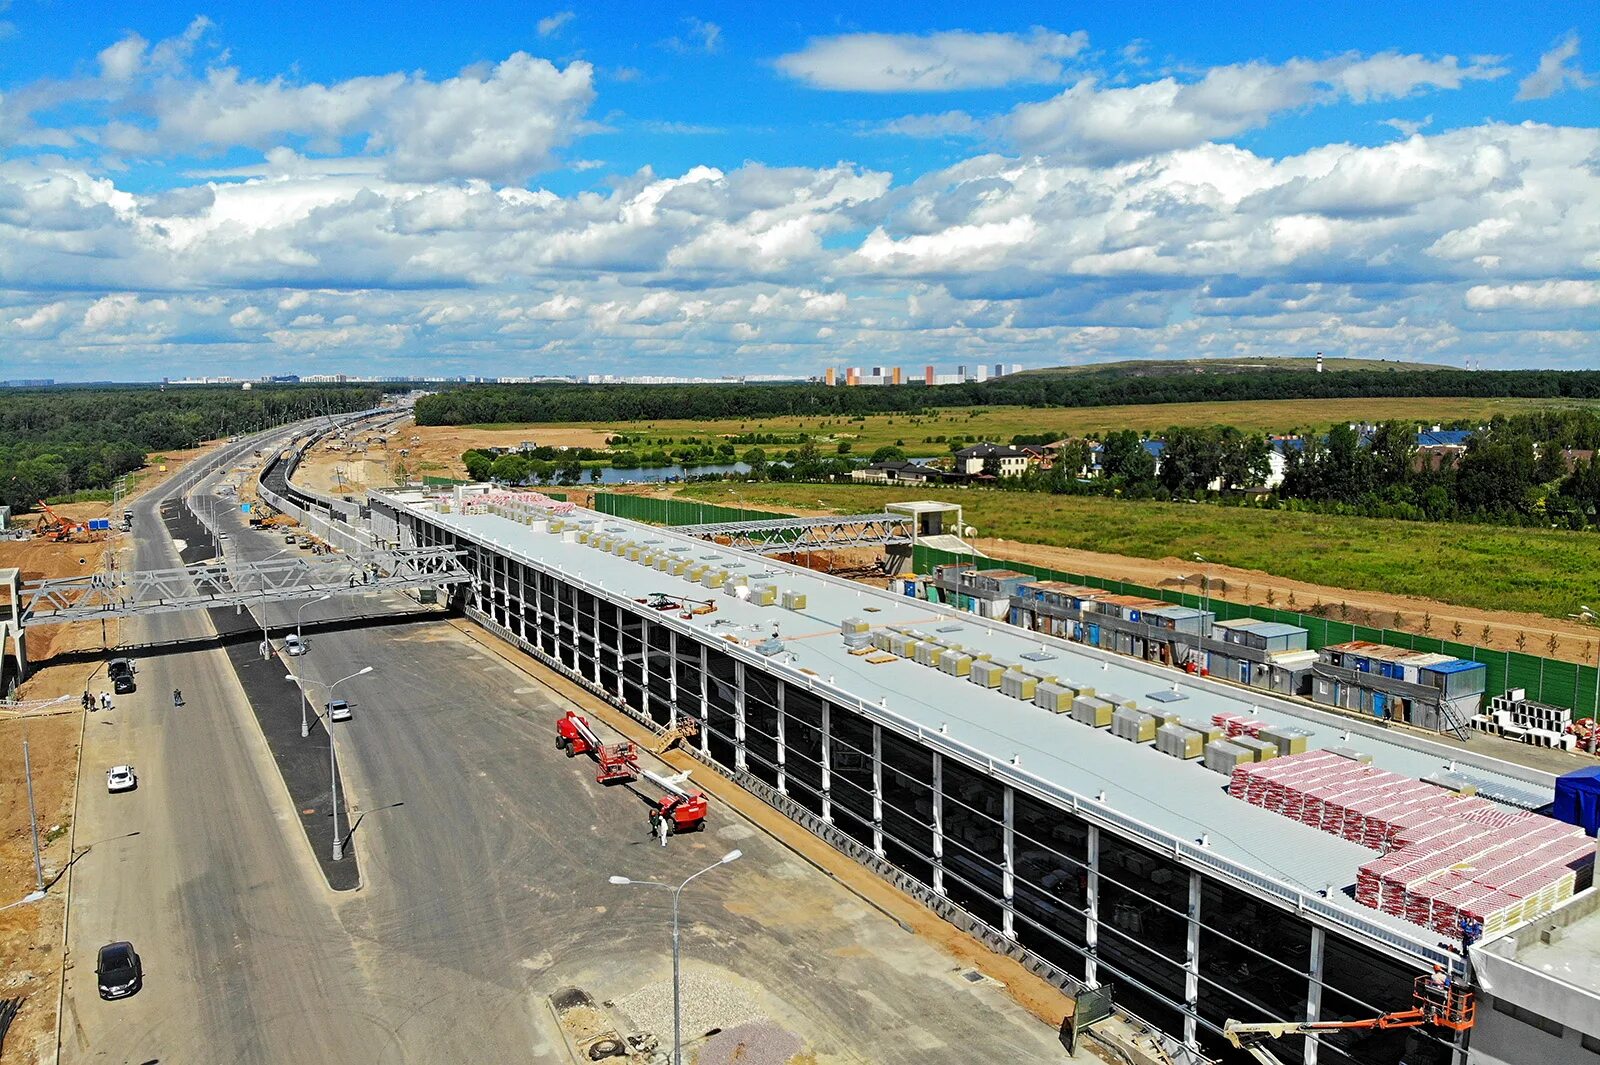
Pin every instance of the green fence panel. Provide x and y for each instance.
(655, 511)
(1525, 671)
(1588, 682)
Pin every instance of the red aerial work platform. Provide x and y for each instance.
(683, 808)
(617, 761)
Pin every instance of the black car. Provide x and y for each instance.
(120, 670)
(119, 971)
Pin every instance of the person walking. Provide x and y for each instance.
(105, 700)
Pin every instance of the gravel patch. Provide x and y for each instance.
(756, 1043)
(707, 1003)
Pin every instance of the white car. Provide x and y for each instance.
(121, 778)
(293, 645)
(339, 710)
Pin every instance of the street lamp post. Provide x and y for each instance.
(333, 765)
(299, 616)
(1205, 583)
(677, 981)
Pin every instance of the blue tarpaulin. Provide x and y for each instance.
(1578, 798)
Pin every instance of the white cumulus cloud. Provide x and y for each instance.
(495, 121)
(1097, 122)
(932, 62)
(551, 25)
(1557, 70)
(1539, 296)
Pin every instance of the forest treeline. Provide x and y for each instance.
(611, 404)
(1535, 469)
(62, 440)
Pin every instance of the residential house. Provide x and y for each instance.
(1007, 461)
(898, 471)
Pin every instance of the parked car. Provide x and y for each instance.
(339, 710)
(120, 670)
(293, 645)
(119, 970)
(121, 778)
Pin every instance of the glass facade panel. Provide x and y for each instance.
(1144, 902)
(1359, 983)
(850, 750)
(761, 724)
(1051, 854)
(691, 700)
(802, 737)
(974, 840)
(907, 777)
(1254, 960)
(721, 689)
(633, 659)
(658, 684)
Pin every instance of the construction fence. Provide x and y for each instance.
(1546, 680)
(674, 511)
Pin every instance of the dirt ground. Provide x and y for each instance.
(439, 452)
(30, 935)
(351, 468)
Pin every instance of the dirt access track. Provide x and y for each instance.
(30, 934)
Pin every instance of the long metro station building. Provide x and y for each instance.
(1094, 858)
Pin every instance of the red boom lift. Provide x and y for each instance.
(1437, 1003)
(683, 808)
(617, 761)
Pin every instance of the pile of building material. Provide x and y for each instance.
(1451, 861)
(1518, 717)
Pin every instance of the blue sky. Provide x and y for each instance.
(649, 188)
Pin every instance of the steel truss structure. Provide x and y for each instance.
(782, 536)
(223, 584)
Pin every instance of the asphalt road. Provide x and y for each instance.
(484, 859)
(279, 707)
(205, 870)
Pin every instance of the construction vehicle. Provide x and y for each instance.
(687, 728)
(683, 809)
(56, 529)
(617, 762)
(1438, 1004)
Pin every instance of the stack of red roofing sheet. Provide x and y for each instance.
(1449, 859)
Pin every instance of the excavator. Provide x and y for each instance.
(55, 528)
(1438, 1003)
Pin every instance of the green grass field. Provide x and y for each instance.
(1002, 423)
(1539, 571)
